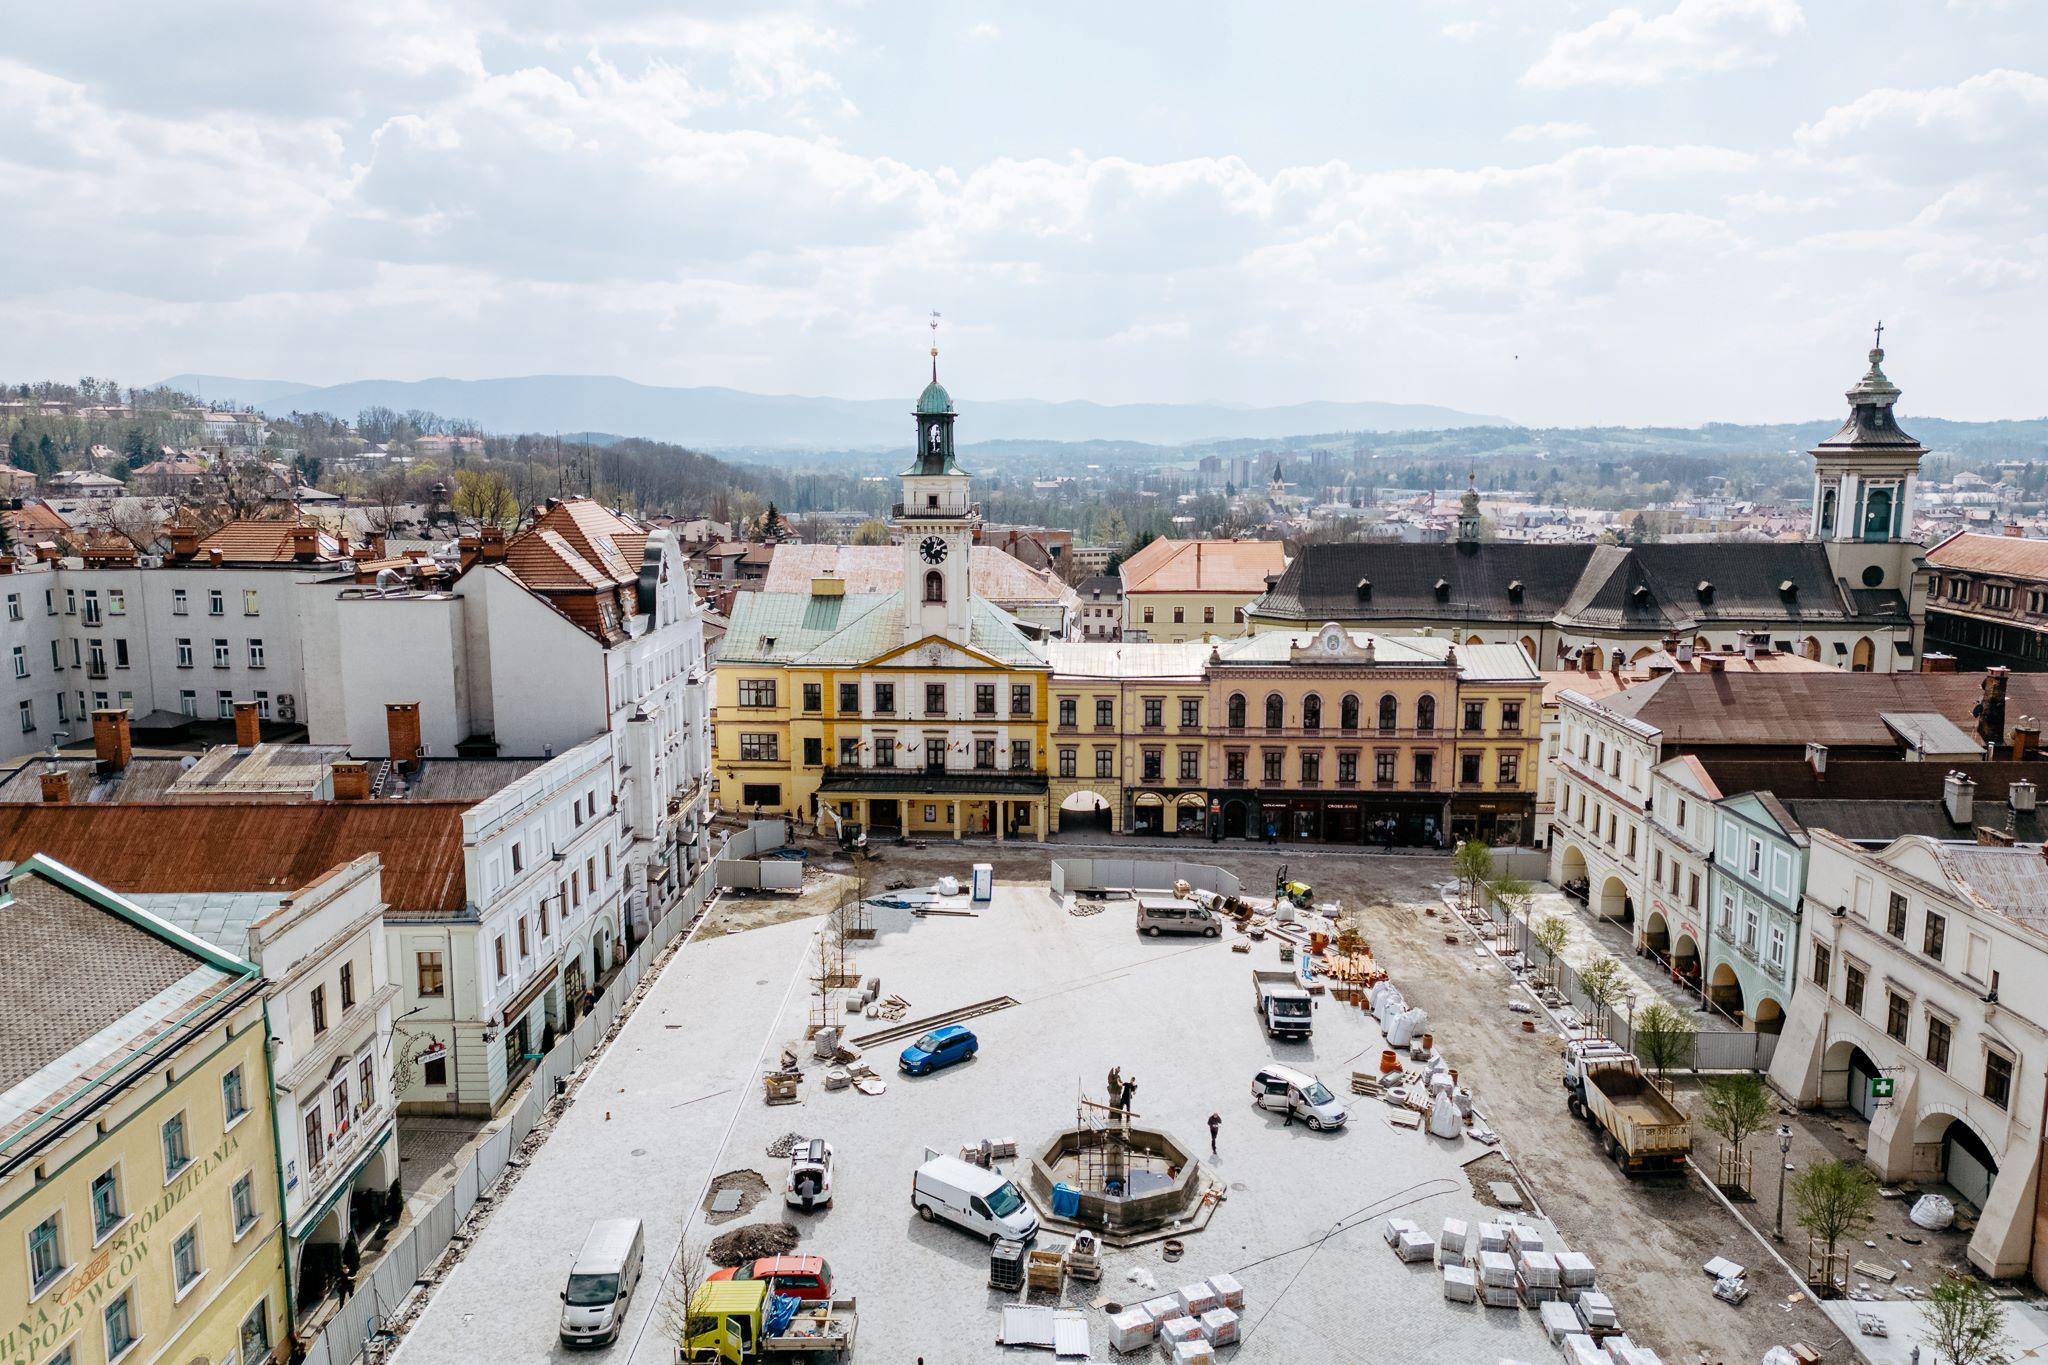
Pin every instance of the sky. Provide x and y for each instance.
(1565, 211)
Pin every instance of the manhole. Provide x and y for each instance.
(726, 1201)
(762, 981)
(1238, 1186)
(639, 1151)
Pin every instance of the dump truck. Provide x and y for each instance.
(1641, 1129)
(734, 1322)
(1281, 1002)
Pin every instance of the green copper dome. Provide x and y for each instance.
(934, 400)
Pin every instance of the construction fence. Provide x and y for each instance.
(1707, 1050)
(356, 1330)
(1138, 874)
(740, 866)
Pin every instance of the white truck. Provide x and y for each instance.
(1282, 1004)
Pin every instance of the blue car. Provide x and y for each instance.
(941, 1047)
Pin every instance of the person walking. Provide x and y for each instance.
(1215, 1127)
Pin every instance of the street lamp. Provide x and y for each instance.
(1784, 1151)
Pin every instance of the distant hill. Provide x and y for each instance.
(715, 418)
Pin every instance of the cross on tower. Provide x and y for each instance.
(935, 345)
(1880, 332)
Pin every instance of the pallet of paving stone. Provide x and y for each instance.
(1456, 1233)
(1416, 1245)
(1583, 1350)
(1574, 1269)
(1622, 1351)
(1461, 1285)
(1392, 1229)
(1496, 1270)
(1596, 1311)
(1523, 1238)
(1559, 1321)
(1538, 1269)
(1537, 1294)
(1495, 1296)
(1492, 1237)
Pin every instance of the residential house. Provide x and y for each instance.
(1102, 607)
(1987, 601)
(1192, 589)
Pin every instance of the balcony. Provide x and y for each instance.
(897, 512)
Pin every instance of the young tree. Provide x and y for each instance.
(1833, 1200)
(1604, 986)
(680, 1289)
(1737, 1108)
(484, 499)
(1663, 1036)
(1965, 1323)
(871, 532)
(1473, 862)
(1551, 934)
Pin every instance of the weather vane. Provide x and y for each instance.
(935, 345)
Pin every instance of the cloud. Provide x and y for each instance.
(1464, 30)
(1629, 48)
(1550, 132)
(1994, 122)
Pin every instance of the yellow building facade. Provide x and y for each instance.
(138, 1156)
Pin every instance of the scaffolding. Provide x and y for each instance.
(1102, 1156)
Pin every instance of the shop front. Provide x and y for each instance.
(1501, 819)
(1406, 820)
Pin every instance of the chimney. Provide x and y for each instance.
(377, 543)
(184, 541)
(248, 729)
(1751, 643)
(492, 542)
(56, 787)
(1959, 794)
(825, 585)
(2026, 739)
(402, 726)
(341, 544)
(2022, 796)
(305, 543)
(2014, 529)
(351, 780)
(1817, 758)
(111, 742)
(1684, 651)
(1935, 662)
(1710, 663)
(214, 557)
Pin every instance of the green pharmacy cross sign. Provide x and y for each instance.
(1881, 1087)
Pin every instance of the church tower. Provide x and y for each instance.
(935, 525)
(1865, 474)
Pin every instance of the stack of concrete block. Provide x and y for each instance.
(1219, 1327)
(1521, 1237)
(1460, 1284)
(1497, 1280)
(1193, 1351)
(1536, 1275)
(1559, 1320)
(1179, 1328)
(1393, 1228)
(1416, 1245)
(1457, 1232)
(1196, 1299)
(1132, 1330)
(1160, 1309)
(1596, 1310)
(1583, 1350)
(1574, 1272)
(1622, 1351)
(1492, 1237)
(1228, 1292)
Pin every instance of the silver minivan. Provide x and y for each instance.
(1158, 916)
(601, 1283)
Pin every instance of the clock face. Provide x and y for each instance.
(933, 549)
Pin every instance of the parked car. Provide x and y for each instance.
(796, 1277)
(976, 1200)
(809, 1182)
(1284, 1090)
(942, 1047)
(601, 1282)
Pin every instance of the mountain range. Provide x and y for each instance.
(718, 418)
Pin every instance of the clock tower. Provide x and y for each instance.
(935, 524)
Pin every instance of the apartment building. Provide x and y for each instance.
(1188, 589)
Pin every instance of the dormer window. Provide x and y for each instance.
(1515, 590)
(1365, 590)
(1443, 590)
(1640, 593)
(1788, 590)
(1705, 590)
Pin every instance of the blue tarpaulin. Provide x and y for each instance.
(781, 1312)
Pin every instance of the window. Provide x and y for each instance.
(814, 697)
(224, 705)
(216, 603)
(849, 697)
(757, 692)
(1895, 1014)
(1425, 714)
(1272, 759)
(120, 653)
(1510, 769)
(1511, 719)
(316, 1137)
(20, 661)
(1233, 766)
(1190, 765)
(1067, 711)
(256, 1334)
(1939, 1034)
(318, 1004)
(427, 971)
(1068, 762)
(1235, 711)
(120, 1326)
(1823, 964)
(525, 943)
(984, 699)
(1895, 917)
(1776, 956)
(179, 606)
(1208, 616)
(1020, 755)
(1933, 934)
(984, 753)
(885, 699)
(177, 1152)
(28, 715)
(1997, 597)
(885, 751)
(1105, 762)
(14, 606)
(338, 1096)
(1151, 765)
(434, 1070)
(849, 751)
(348, 986)
(1020, 699)
(1347, 713)
(366, 1082)
(763, 746)
(234, 1096)
(814, 751)
(106, 1204)
(1383, 765)
(1852, 986)
(1155, 713)
(1390, 713)
(935, 699)
(935, 587)
(221, 654)
(45, 1257)
(518, 859)
(1998, 1079)
(1180, 616)
(242, 1203)
(1475, 716)
(251, 604)
(1312, 712)
(1468, 770)
(185, 652)
(1276, 712)
(92, 606)
(1105, 713)
(57, 662)
(188, 702)
(185, 1258)
(96, 658)
(1425, 770)
(1347, 769)
(71, 601)
(1311, 768)
(1148, 616)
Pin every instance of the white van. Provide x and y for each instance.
(1169, 916)
(601, 1283)
(982, 1202)
(1284, 1090)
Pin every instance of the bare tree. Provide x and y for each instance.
(1965, 1323)
(679, 1291)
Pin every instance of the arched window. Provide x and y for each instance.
(1809, 648)
(1390, 712)
(1237, 710)
(1276, 715)
(1827, 512)
(1347, 712)
(1596, 660)
(1863, 656)
(934, 586)
(1425, 714)
(1312, 712)
(1529, 647)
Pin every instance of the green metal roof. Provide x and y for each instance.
(797, 629)
(934, 400)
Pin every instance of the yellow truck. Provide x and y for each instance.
(731, 1323)
(1640, 1128)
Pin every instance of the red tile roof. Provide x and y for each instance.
(261, 542)
(1204, 566)
(250, 846)
(2004, 556)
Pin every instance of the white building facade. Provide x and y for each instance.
(1600, 820)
